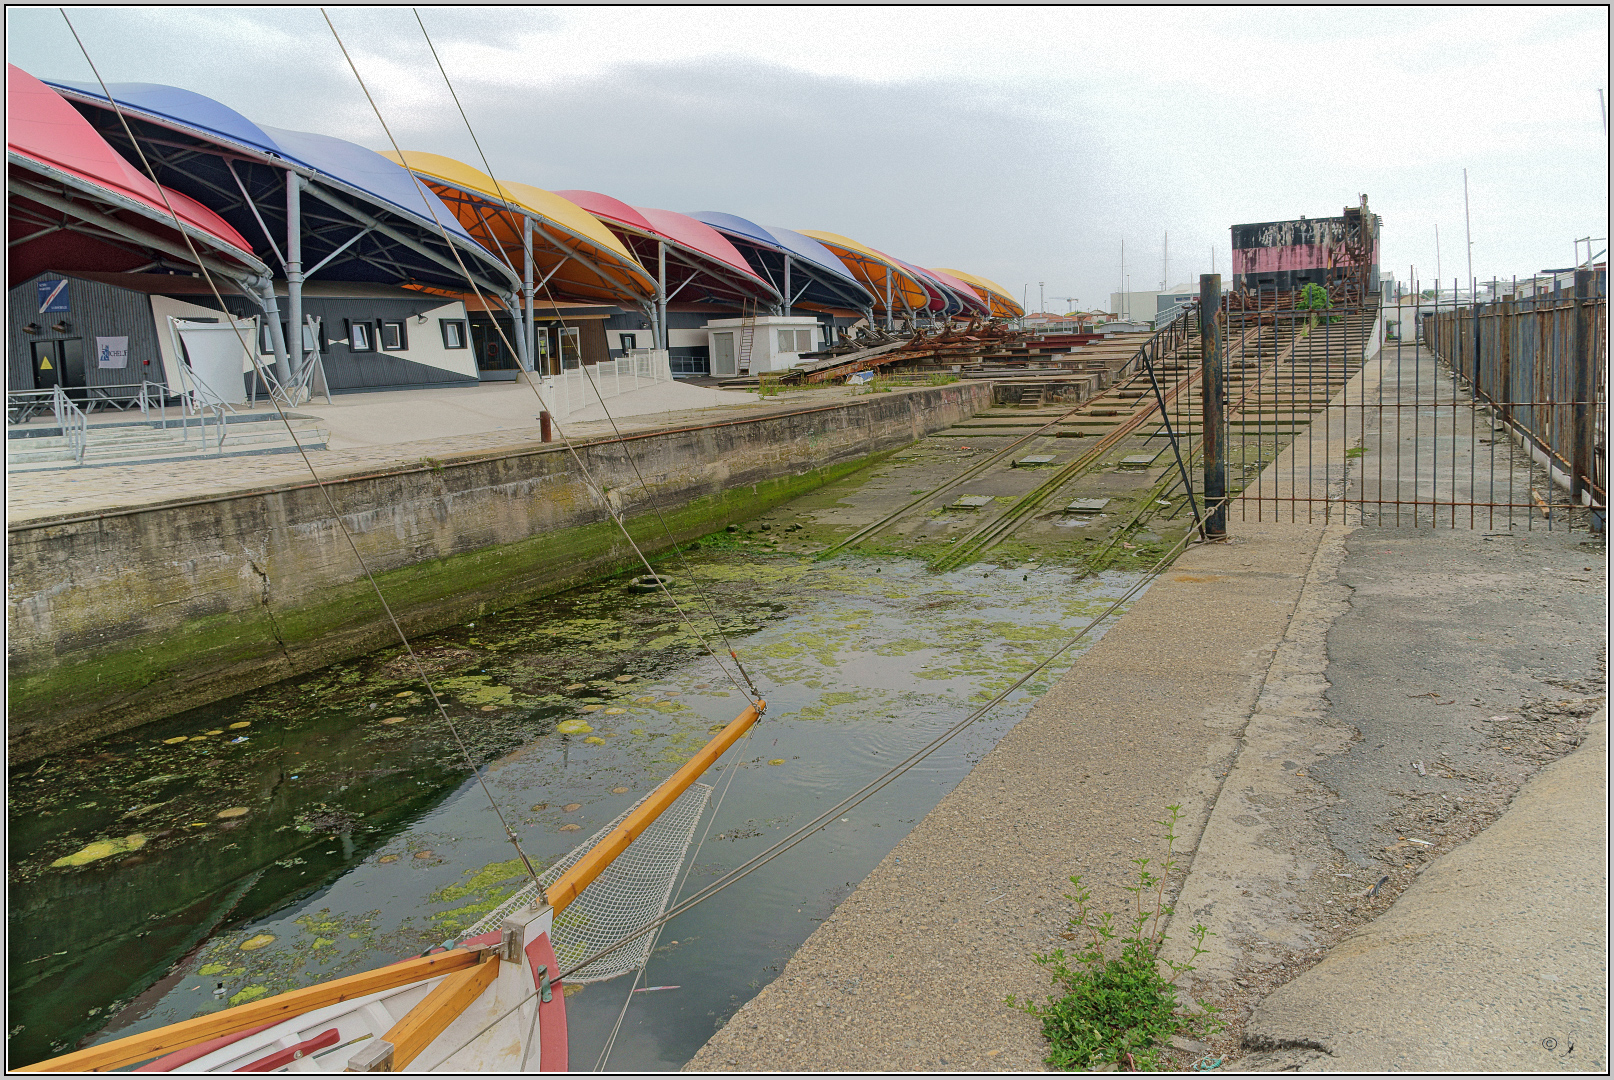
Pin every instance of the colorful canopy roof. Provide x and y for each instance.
(969, 293)
(573, 252)
(818, 278)
(713, 270)
(1003, 304)
(943, 300)
(120, 217)
(344, 176)
(876, 271)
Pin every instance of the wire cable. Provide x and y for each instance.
(764, 857)
(610, 1042)
(749, 689)
(325, 491)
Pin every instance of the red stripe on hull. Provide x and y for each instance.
(553, 1055)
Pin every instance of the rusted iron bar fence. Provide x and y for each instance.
(1540, 362)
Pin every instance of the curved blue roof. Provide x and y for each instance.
(350, 164)
(808, 248)
(180, 106)
(802, 247)
(365, 170)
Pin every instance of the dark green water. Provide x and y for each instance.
(346, 841)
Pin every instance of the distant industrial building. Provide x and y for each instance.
(1290, 254)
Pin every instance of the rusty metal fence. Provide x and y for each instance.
(1489, 416)
(1539, 363)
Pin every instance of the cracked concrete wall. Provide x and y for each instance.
(123, 617)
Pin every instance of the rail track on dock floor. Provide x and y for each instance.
(1278, 379)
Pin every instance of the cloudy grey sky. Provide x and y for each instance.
(1023, 144)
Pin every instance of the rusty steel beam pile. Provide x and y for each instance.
(987, 345)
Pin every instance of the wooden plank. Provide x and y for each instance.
(436, 1011)
(165, 1040)
(586, 869)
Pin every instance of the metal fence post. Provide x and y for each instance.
(1212, 390)
(1583, 407)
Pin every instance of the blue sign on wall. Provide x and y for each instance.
(52, 295)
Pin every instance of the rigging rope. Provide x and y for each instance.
(302, 452)
(589, 480)
(761, 859)
(764, 857)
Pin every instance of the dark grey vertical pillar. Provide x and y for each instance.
(297, 356)
(1213, 400)
(1581, 374)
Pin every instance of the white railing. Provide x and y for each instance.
(74, 425)
(573, 391)
(1173, 313)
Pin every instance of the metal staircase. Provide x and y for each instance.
(748, 333)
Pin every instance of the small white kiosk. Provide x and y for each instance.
(776, 343)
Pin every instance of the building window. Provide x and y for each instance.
(453, 333)
(393, 337)
(795, 341)
(358, 337)
(630, 341)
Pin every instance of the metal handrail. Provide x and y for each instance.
(74, 425)
(1172, 314)
(162, 401)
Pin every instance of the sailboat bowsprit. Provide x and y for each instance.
(492, 1002)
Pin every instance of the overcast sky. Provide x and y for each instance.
(1023, 144)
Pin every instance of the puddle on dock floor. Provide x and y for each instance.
(325, 825)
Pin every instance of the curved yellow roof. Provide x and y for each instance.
(598, 265)
(872, 268)
(1003, 303)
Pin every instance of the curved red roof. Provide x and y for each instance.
(681, 229)
(697, 236)
(604, 206)
(42, 127)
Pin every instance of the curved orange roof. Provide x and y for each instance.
(876, 270)
(580, 258)
(1004, 305)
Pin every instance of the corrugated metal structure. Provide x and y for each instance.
(1285, 255)
(1542, 362)
(58, 348)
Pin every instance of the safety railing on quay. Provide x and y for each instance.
(575, 389)
(1173, 313)
(71, 421)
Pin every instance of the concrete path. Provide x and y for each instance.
(1494, 961)
(1428, 673)
(911, 971)
(370, 430)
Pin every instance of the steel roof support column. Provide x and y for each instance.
(787, 283)
(524, 332)
(298, 356)
(271, 315)
(661, 294)
(888, 323)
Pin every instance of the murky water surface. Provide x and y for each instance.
(328, 824)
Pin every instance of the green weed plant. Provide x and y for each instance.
(1116, 1006)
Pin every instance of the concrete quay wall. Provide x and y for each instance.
(126, 616)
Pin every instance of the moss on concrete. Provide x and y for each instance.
(213, 656)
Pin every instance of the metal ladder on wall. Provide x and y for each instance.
(748, 333)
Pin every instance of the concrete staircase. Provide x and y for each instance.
(140, 442)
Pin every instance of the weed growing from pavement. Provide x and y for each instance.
(1119, 1009)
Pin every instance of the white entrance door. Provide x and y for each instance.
(723, 355)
